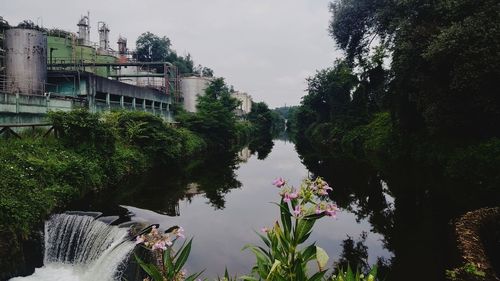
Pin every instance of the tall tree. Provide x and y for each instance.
(444, 64)
(151, 47)
(215, 119)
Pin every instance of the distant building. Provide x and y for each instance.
(246, 103)
(191, 88)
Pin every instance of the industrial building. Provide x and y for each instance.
(245, 103)
(43, 70)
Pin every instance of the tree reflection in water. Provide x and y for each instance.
(414, 225)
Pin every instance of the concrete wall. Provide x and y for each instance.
(32, 104)
(191, 87)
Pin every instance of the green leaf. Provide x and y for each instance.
(183, 256)
(373, 273)
(321, 257)
(280, 278)
(318, 276)
(276, 264)
(309, 252)
(263, 238)
(350, 274)
(299, 271)
(258, 252)
(193, 276)
(248, 278)
(314, 216)
(168, 263)
(302, 230)
(286, 218)
(150, 269)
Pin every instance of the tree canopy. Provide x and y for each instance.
(214, 119)
(151, 47)
(445, 59)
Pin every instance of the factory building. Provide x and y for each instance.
(44, 70)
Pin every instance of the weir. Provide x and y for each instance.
(79, 247)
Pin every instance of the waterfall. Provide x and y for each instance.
(81, 248)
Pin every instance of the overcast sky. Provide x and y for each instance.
(264, 47)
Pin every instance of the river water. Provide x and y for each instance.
(220, 233)
(221, 201)
(397, 217)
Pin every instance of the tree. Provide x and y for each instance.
(204, 71)
(260, 116)
(215, 119)
(444, 63)
(150, 47)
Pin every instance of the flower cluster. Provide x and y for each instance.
(157, 241)
(308, 199)
(328, 209)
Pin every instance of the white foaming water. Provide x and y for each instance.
(80, 248)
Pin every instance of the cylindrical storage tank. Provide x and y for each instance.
(26, 60)
(103, 70)
(191, 88)
(59, 49)
(85, 54)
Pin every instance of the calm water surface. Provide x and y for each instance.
(221, 232)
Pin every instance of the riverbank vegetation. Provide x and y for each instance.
(409, 107)
(407, 89)
(92, 151)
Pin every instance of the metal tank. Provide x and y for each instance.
(191, 88)
(26, 60)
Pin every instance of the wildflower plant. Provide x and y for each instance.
(283, 257)
(169, 262)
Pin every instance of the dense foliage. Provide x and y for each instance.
(412, 103)
(416, 81)
(151, 47)
(445, 57)
(214, 119)
(89, 152)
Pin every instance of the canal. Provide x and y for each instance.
(221, 230)
(222, 201)
(397, 217)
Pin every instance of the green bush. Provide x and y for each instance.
(82, 130)
(38, 175)
(90, 152)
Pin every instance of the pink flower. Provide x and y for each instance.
(179, 232)
(264, 229)
(331, 210)
(279, 182)
(297, 211)
(154, 230)
(286, 197)
(289, 196)
(318, 210)
(168, 243)
(322, 192)
(139, 239)
(159, 245)
(294, 194)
